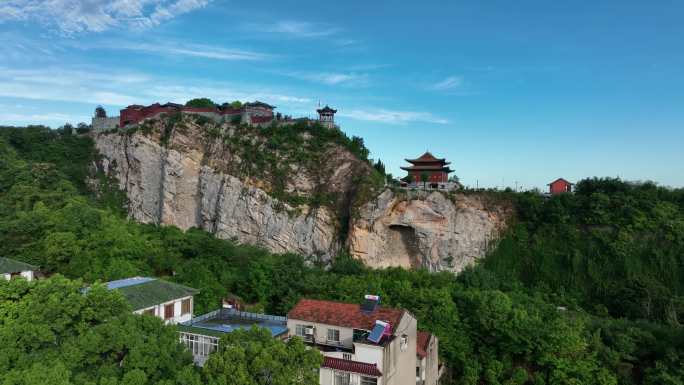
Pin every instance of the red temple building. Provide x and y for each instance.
(249, 113)
(559, 186)
(436, 170)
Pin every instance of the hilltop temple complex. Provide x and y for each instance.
(253, 113)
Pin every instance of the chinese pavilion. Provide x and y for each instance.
(436, 170)
(326, 116)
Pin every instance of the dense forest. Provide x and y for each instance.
(585, 288)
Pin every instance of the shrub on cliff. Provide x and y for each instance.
(200, 103)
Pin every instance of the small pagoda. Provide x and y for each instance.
(326, 116)
(435, 169)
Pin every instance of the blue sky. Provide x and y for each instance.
(509, 92)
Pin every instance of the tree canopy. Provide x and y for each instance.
(200, 103)
(584, 288)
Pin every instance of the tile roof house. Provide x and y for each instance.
(169, 301)
(364, 344)
(10, 268)
(427, 360)
(343, 314)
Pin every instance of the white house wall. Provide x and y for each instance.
(28, 275)
(371, 354)
(177, 306)
(321, 332)
(404, 371)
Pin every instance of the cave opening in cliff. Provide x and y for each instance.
(404, 245)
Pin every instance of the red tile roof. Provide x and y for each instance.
(343, 314)
(427, 157)
(422, 343)
(351, 366)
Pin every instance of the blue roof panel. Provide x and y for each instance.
(229, 320)
(376, 334)
(128, 282)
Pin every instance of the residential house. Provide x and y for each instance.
(364, 344)
(559, 186)
(10, 268)
(169, 301)
(428, 370)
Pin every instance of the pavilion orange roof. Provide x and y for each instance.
(428, 158)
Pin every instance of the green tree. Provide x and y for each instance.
(86, 337)
(424, 178)
(251, 357)
(200, 103)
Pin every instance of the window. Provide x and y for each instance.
(333, 335)
(149, 312)
(300, 330)
(369, 380)
(347, 356)
(185, 306)
(360, 335)
(199, 345)
(342, 378)
(404, 342)
(168, 311)
(417, 371)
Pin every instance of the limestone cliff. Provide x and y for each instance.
(423, 229)
(197, 174)
(290, 189)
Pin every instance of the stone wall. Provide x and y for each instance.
(105, 124)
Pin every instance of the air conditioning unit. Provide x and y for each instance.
(309, 331)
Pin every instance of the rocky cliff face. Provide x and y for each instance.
(289, 193)
(190, 182)
(423, 229)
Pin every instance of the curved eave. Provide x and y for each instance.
(440, 160)
(445, 169)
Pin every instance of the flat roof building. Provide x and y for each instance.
(201, 334)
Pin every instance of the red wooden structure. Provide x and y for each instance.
(559, 186)
(436, 170)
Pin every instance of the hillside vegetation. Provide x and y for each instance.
(539, 310)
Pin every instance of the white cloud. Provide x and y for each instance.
(392, 116)
(102, 86)
(299, 29)
(182, 93)
(332, 78)
(448, 84)
(73, 16)
(69, 85)
(195, 50)
(49, 117)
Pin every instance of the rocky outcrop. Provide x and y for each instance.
(187, 183)
(423, 229)
(235, 182)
